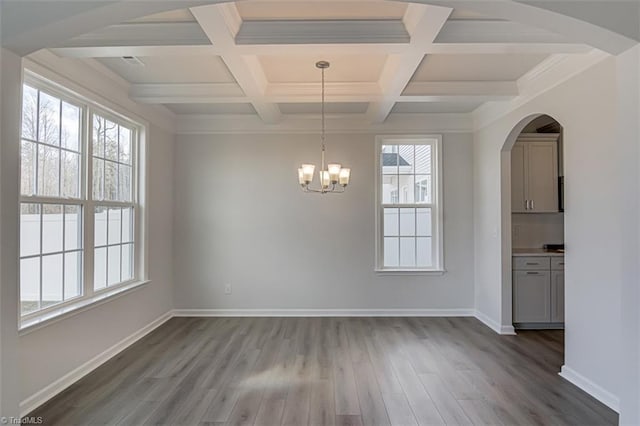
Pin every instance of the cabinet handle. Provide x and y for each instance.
(526, 204)
(561, 263)
(531, 264)
(533, 206)
(532, 273)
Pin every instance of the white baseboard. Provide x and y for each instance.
(599, 393)
(323, 312)
(494, 325)
(42, 396)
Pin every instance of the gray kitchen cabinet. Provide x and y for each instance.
(534, 173)
(532, 295)
(538, 291)
(557, 296)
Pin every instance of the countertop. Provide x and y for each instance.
(536, 252)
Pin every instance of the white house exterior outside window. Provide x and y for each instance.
(409, 204)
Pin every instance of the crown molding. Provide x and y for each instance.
(549, 74)
(310, 124)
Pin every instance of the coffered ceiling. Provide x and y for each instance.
(258, 58)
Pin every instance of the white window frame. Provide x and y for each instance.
(90, 296)
(436, 205)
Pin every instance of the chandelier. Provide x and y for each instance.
(335, 178)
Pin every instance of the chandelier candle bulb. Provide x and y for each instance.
(345, 174)
(324, 178)
(307, 172)
(334, 172)
(301, 176)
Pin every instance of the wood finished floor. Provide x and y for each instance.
(334, 371)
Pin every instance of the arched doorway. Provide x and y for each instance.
(527, 229)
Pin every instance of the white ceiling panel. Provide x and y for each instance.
(179, 15)
(239, 108)
(172, 69)
(434, 107)
(329, 108)
(476, 67)
(268, 10)
(302, 68)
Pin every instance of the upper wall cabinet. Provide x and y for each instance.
(534, 173)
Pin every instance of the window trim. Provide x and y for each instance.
(437, 204)
(89, 105)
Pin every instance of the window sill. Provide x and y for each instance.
(34, 323)
(427, 272)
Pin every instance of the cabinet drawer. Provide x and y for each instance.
(536, 263)
(557, 263)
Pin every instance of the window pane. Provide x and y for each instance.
(127, 262)
(405, 159)
(100, 226)
(424, 256)
(28, 168)
(29, 285)
(70, 126)
(51, 280)
(423, 159)
(389, 159)
(391, 252)
(100, 268)
(124, 183)
(98, 179)
(111, 141)
(98, 136)
(110, 181)
(29, 112)
(72, 227)
(49, 119)
(70, 174)
(48, 171)
(423, 189)
(113, 274)
(423, 219)
(406, 190)
(125, 145)
(391, 223)
(390, 189)
(127, 225)
(115, 226)
(29, 229)
(407, 252)
(408, 222)
(51, 228)
(72, 275)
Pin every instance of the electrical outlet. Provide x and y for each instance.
(227, 288)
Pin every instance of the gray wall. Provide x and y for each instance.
(241, 218)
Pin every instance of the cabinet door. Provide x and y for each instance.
(557, 296)
(517, 178)
(531, 296)
(541, 185)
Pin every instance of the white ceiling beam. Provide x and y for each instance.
(423, 24)
(143, 34)
(187, 93)
(120, 51)
(332, 89)
(460, 88)
(492, 31)
(322, 31)
(220, 24)
(320, 49)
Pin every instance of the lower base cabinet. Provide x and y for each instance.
(538, 292)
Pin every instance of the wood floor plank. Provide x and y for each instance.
(447, 405)
(330, 371)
